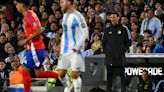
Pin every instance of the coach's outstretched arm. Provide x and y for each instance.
(83, 28)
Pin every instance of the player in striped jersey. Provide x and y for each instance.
(75, 32)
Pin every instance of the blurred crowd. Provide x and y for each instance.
(143, 18)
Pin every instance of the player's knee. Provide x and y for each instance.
(75, 75)
(62, 73)
(23, 69)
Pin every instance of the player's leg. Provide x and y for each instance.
(28, 64)
(77, 66)
(25, 70)
(45, 74)
(64, 79)
(38, 59)
(77, 82)
(63, 65)
(26, 77)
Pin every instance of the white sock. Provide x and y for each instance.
(65, 81)
(77, 83)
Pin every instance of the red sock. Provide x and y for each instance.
(26, 80)
(47, 74)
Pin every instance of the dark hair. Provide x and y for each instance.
(34, 5)
(55, 23)
(124, 16)
(149, 10)
(139, 45)
(126, 5)
(148, 47)
(147, 31)
(26, 2)
(71, 1)
(2, 60)
(115, 13)
(51, 14)
(59, 10)
(147, 5)
(98, 4)
(2, 34)
(145, 71)
(1, 12)
(54, 2)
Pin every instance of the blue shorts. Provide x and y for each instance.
(34, 58)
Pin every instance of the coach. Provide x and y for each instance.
(116, 42)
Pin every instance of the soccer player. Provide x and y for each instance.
(35, 55)
(75, 33)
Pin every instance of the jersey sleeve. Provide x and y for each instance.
(82, 25)
(33, 20)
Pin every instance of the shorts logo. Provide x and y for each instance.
(83, 25)
(34, 24)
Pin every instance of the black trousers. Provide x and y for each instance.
(112, 73)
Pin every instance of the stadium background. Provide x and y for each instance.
(96, 13)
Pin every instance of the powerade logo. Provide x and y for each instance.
(138, 71)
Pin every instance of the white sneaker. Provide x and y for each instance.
(68, 89)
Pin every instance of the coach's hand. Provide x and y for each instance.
(22, 42)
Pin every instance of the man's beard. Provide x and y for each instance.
(65, 10)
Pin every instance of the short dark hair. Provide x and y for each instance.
(1, 12)
(149, 10)
(139, 45)
(148, 31)
(2, 34)
(98, 4)
(114, 12)
(59, 10)
(72, 1)
(145, 71)
(33, 5)
(26, 2)
(2, 60)
(54, 2)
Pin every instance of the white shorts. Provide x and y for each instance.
(72, 60)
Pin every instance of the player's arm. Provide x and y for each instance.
(37, 32)
(84, 33)
(35, 27)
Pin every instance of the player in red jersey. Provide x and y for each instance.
(35, 55)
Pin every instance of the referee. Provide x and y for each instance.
(116, 42)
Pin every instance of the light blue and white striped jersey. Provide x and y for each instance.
(75, 32)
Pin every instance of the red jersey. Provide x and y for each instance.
(31, 23)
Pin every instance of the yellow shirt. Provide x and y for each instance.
(96, 45)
